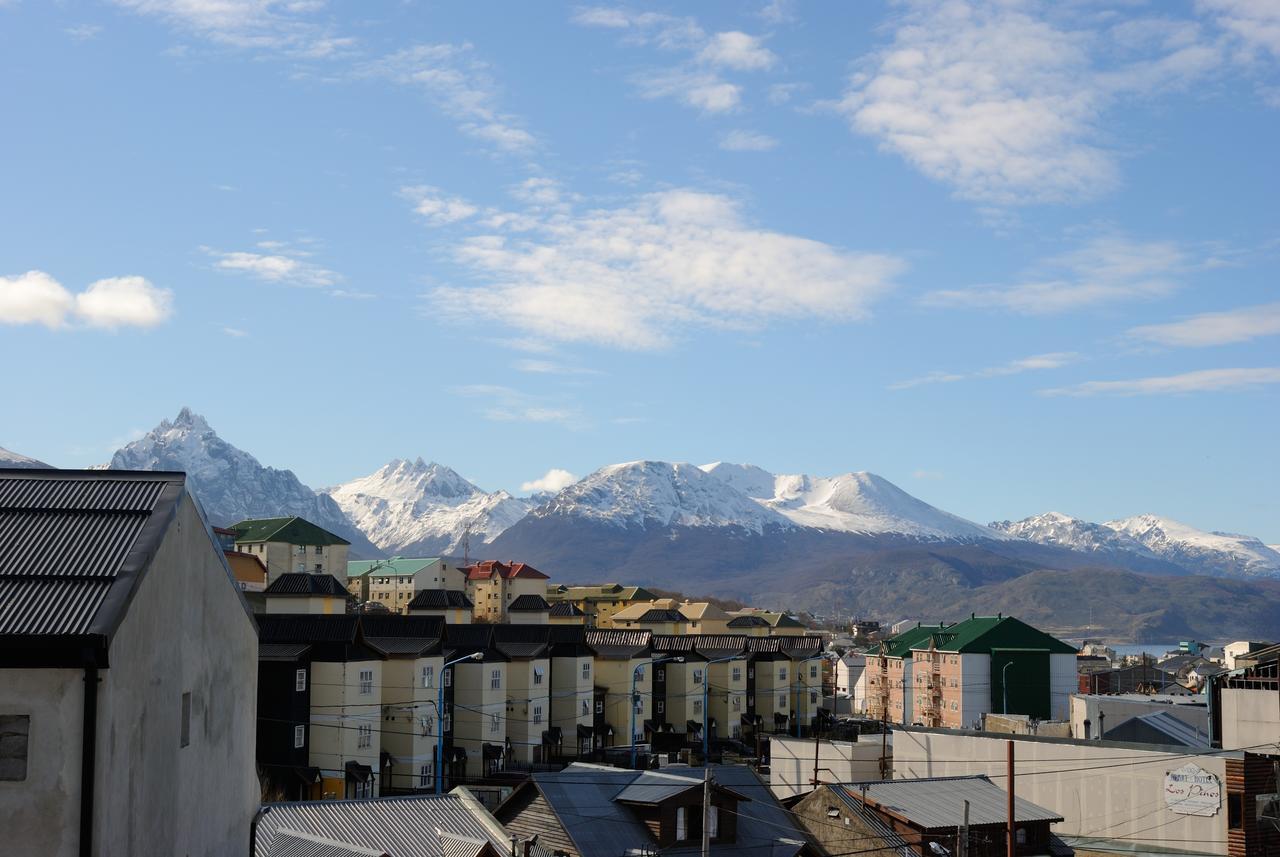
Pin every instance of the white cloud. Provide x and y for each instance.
(1036, 362)
(460, 85)
(554, 480)
(702, 90)
(1000, 103)
(84, 32)
(1105, 270)
(667, 32)
(438, 208)
(747, 141)
(548, 367)
(781, 93)
(276, 268)
(277, 25)
(1256, 23)
(778, 11)
(737, 50)
(509, 405)
(1202, 381)
(37, 298)
(1215, 328)
(633, 276)
(235, 332)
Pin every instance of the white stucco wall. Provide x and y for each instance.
(1249, 718)
(1063, 682)
(791, 762)
(975, 683)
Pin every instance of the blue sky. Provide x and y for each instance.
(1012, 256)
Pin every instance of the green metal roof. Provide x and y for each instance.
(982, 634)
(397, 566)
(294, 531)
(899, 646)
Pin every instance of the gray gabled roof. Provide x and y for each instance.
(293, 843)
(399, 826)
(936, 803)
(73, 546)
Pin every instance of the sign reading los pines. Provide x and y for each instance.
(1191, 790)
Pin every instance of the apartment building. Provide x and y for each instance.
(715, 667)
(779, 624)
(598, 603)
(618, 656)
(394, 582)
(528, 692)
(574, 672)
(784, 682)
(889, 675)
(292, 544)
(479, 712)
(451, 605)
(529, 609)
(493, 585)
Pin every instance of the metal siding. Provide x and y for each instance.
(52, 607)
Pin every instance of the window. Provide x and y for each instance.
(494, 723)
(697, 706)
(186, 720)
(299, 736)
(813, 671)
(713, 821)
(638, 703)
(782, 673)
(428, 676)
(319, 567)
(697, 676)
(319, 550)
(427, 723)
(682, 823)
(737, 673)
(300, 680)
(751, 672)
(366, 682)
(586, 671)
(1021, 835)
(737, 703)
(537, 675)
(447, 675)
(14, 730)
(599, 706)
(659, 707)
(364, 735)
(586, 708)
(495, 680)
(813, 697)
(782, 700)
(537, 714)
(1235, 810)
(446, 722)
(660, 675)
(302, 567)
(424, 776)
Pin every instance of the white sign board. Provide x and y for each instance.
(1191, 790)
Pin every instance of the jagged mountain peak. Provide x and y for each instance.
(8, 458)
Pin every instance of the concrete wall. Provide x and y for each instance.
(185, 632)
(975, 688)
(1249, 718)
(791, 762)
(1104, 790)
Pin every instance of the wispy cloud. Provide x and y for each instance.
(505, 404)
(286, 26)
(554, 480)
(702, 90)
(461, 85)
(84, 32)
(37, 298)
(275, 268)
(235, 332)
(1202, 381)
(1104, 270)
(1214, 328)
(737, 50)
(747, 141)
(1255, 23)
(634, 275)
(436, 207)
(550, 367)
(1034, 363)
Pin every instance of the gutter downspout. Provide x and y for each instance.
(88, 757)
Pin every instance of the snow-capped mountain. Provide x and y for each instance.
(231, 484)
(14, 459)
(641, 494)
(850, 503)
(1149, 536)
(415, 507)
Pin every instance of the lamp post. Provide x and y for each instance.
(474, 656)
(1004, 685)
(797, 706)
(635, 673)
(706, 712)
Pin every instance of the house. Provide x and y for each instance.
(619, 656)
(660, 616)
(529, 609)
(990, 665)
(784, 682)
(452, 605)
(750, 624)
(890, 675)
(292, 544)
(248, 569)
(394, 582)
(127, 670)
(595, 811)
(342, 730)
(923, 817)
(479, 714)
(574, 671)
(453, 824)
(566, 613)
(598, 603)
(493, 585)
(851, 679)
(780, 624)
(715, 667)
(303, 592)
(703, 617)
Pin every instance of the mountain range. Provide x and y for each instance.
(845, 544)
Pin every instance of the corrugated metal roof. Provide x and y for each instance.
(306, 628)
(399, 826)
(67, 538)
(292, 843)
(619, 644)
(305, 583)
(440, 599)
(415, 646)
(561, 609)
(394, 625)
(460, 846)
(529, 602)
(937, 803)
(652, 787)
(282, 651)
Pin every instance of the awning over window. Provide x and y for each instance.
(692, 726)
(584, 731)
(493, 751)
(385, 759)
(358, 773)
(554, 735)
(459, 754)
(309, 776)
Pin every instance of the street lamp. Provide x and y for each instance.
(706, 713)
(796, 710)
(1004, 685)
(474, 656)
(635, 673)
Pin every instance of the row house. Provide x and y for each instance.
(714, 672)
(574, 672)
(292, 544)
(598, 604)
(492, 586)
(394, 582)
(618, 657)
(784, 682)
(668, 616)
(479, 711)
(528, 698)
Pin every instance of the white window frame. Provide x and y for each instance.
(586, 708)
(429, 676)
(682, 824)
(299, 736)
(366, 682)
(782, 700)
(537, 675)
(300, 680)
(782, 673)
(448, 677)
(364, 735)
(494, 723)
(737, 673)
(495, 679)
(697, 706)
(586, 670)
(537, 714)
(697, 676)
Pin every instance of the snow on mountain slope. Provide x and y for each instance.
(1217, 553)
(1055, 528)
(14, 459)
(852, 503)
(640, 493)
(417, 507)
(231, 484)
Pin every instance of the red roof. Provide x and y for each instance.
(490, 567)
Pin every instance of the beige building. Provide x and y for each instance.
(779, 624)
(493, 585)
(716, 664)
(300, 592)
(292, 545)
(573, 673)
(598, 603)
(451, 605)
(618, 654)
(394, 582)
(785, 681)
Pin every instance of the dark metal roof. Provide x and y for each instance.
(440, 599)
(395, 625)
(619, 644)
(413, 646)
(561, 609)
(292, 843)
(659, 615)
(282, 651)
(307, 628)
(398, 826)
(306, 584)
(529, 602)
(936, 803)
(748, 621)
(522, 641)
(707, 645)
(73, 545)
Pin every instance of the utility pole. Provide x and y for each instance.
(962, 846)
(884, 740)
(706, 809)
(1012, 838)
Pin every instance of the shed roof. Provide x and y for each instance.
(936, 803)
(441, 599)
(305, 584)
(397, 566)
(290, 530)
(73, 546)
